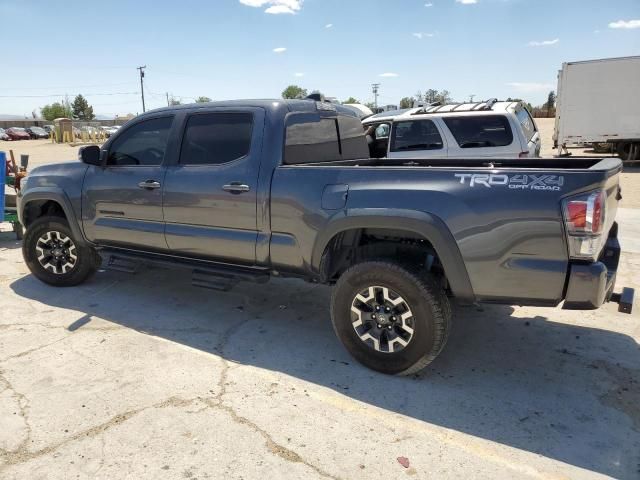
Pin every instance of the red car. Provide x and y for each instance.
(17, 133)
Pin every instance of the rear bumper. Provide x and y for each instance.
(591, 285)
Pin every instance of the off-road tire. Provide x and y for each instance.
(88, 260)
(427, 300)
(624, 151)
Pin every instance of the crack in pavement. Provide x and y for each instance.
(218, 402)
(23, 405)
(21, 454)
(31, 350)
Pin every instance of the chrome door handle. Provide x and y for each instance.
(236, 187)
(149, 184)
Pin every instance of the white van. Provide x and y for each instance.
(463, 130)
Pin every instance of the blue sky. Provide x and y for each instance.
(225, 48)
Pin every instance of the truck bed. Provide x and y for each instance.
(505, 216)
(608, 164)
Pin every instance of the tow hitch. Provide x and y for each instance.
(624, 299)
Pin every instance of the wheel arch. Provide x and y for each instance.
(37, 203)
(426, 226)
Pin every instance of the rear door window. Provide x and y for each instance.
(525, 120)
(480, 131)
(415, 135)
(216, 138)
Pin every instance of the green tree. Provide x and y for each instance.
(81, 109)
(432, 95)
(526, 104)
(203, 99)
(407, 102)
(550, 106)
(351, 100)
(55, 110)
(294, 91)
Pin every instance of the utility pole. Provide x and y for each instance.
(471, 97)
(168, 99)
(142, 85)
(374, 88)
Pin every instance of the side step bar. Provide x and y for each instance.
(204, 274)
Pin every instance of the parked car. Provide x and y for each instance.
(37, 132)
(285, 188)
(3, 135)
(17, 133)
(381, 123)
(109, 130)
(49, 128)
(462, 130)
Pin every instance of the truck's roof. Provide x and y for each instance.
(272, 104)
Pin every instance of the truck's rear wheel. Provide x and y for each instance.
(53, 254)
(390, 319)
(626, 151)
(602, 147)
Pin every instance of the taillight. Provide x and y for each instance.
(584, 217)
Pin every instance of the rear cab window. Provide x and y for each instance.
(415, 135)
(310, 138)
(482, 131)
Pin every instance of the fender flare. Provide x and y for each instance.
(54, 194)
(428, 226)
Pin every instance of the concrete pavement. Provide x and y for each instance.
(144, 376)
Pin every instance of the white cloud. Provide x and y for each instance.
(543, 43)
(328, 25)
(627, 24)
(298, 74)
(275, 7)
(422, 35)
(428, 4)
(389, 74)
(279, 50)
(467, 2)
(530, 87)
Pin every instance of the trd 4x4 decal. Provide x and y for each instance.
(517, 182)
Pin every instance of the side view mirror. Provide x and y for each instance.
(90, 155)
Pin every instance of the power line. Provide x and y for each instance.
(69, 87)
(63, 94)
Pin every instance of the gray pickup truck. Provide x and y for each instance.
(246, 190)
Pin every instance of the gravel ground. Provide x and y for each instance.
(144, 376)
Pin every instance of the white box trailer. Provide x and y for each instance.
(598, 101)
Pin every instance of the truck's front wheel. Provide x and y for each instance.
(54, 256)
(390, 319)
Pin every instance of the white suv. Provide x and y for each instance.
(463, 130)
